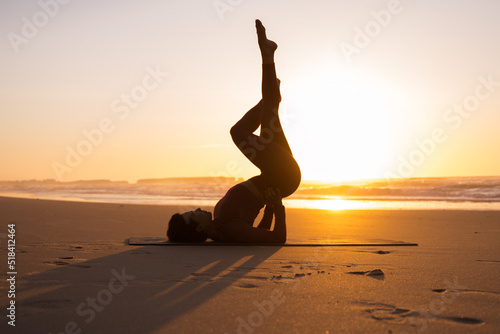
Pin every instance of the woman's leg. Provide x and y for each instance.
(247, 124)
(271, 97)
(270, 124)
(270, 151)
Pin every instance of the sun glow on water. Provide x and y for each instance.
(334, 204)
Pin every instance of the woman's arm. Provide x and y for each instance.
(267, 219)
(279, 224)
(240, 232)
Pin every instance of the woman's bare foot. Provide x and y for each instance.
(267, 47)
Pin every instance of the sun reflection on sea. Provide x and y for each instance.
(334, 203)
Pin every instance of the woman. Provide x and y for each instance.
(235, 213)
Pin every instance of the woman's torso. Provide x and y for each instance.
(241, 203)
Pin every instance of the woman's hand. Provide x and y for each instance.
(272, 196)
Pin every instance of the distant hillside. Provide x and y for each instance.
(55, 182)
(168, 180)
(177, 180)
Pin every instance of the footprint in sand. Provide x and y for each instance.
(389, 314)
(465, 290)
(392, 314)
(386, 312)
(258, 277)
(57, 263)
(463, 320)
(247, 286)
(64, 263)
(376, 273)
(200, 274)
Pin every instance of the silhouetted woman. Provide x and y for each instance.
(235, 213)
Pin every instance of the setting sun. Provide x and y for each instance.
(345, 125)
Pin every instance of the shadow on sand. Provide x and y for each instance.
(136, 291)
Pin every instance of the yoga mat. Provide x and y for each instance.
(149, 241)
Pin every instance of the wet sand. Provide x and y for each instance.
(75, 273)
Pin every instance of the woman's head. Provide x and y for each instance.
(189, 226)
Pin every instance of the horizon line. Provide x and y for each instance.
(242, 178)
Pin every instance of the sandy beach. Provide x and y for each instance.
(76, 274)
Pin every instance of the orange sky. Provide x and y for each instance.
(126, 90)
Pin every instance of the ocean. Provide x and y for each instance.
(451, 193)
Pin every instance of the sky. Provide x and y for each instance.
(128, 90)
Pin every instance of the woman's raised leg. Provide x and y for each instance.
(270, 125)
(247, 125)
(270, 151)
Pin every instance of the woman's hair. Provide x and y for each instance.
(180, 231)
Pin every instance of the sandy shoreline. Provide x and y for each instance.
(75, 273)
